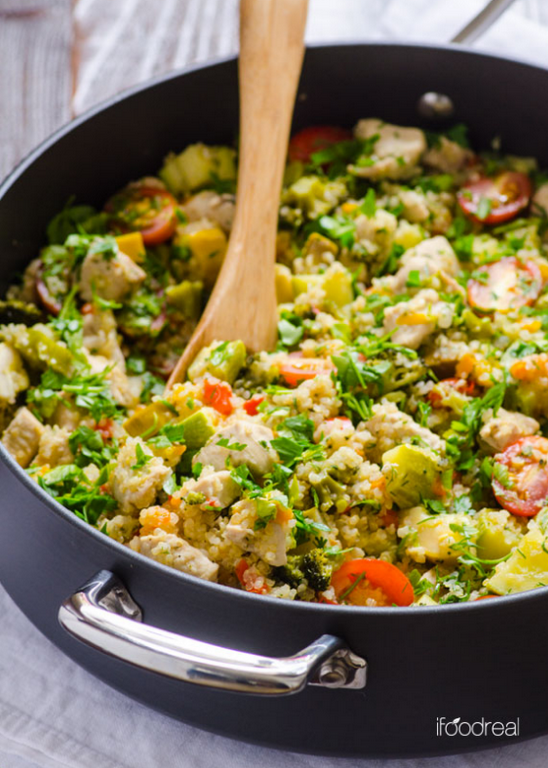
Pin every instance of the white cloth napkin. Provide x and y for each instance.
(55, 715)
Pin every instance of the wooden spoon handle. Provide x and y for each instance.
(243, 302)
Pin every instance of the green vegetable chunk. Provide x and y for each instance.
(198, 166)
(198, 428)
(39, 347)
(526, 568)
(223, 361)
(186, 297)
(410, 474)
(499, 533)
(148, 420)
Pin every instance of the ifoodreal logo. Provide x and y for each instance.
(459, 727)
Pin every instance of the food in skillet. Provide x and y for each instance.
(390, 451)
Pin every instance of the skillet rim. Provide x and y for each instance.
(389, 612)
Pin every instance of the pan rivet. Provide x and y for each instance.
(435, 106)
(333, 674)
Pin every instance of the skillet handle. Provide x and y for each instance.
(102, 614)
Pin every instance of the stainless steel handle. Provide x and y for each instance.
(481, 23)
(103, 614)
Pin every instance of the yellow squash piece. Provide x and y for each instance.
(132, 245)
(526, 568)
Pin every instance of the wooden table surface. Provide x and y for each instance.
(60, 57)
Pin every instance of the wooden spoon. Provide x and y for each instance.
(243, 302)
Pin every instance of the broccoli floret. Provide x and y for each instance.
(317, 568)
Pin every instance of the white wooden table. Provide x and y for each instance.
(59, 57)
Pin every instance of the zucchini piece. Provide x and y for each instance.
(224, 361)
(15, 311)
(410, 474)
(186, 297)
(148, 420)
(499, 533)
(198, 166)
(526, 568)
(39, 347)
(198, 428)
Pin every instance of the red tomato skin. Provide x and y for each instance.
(218, 394)
(380, 574)
(251, 406)
(304, 143)
(534, 488)
(476, 290)
(493, 189)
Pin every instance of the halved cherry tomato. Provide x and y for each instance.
(523, 488)
(505, 195)
(299, 368)
(504, 285)
(146, 209)
(218, 394)
(463, 386)
(366, 574)
(311, 140)
(251, 406)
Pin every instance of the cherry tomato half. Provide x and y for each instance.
(492, 201)
(521, 484)
(300, 368)
(504, 285)
(146, 209)
(366, 574)
(311, 140)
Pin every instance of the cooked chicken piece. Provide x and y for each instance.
(500, 431)
(447, 156)
(396, 153)
(415, 205)
(429, 258)
(411, 322)
(54, 447)
(22, 437)
(111, 278)
(171, 550)
(100, 337)
(217, 487)
(13, 377)
(135, 483)
(255, 454)
(270, 542)
(210, 205)
(378, 230)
